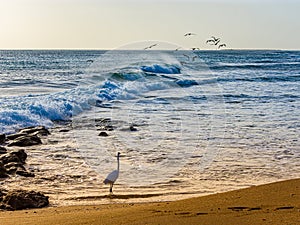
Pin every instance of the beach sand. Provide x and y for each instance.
(275, 203)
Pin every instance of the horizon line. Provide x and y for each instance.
(115, 49)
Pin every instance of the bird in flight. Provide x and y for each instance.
(210, 41)
(189, 34)
(113, 176)
(221, 46)
(150, 46)
(213, 40)
(195, 49)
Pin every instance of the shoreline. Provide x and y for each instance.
(273, 203)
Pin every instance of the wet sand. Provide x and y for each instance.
(275, 203)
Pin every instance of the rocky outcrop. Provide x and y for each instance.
(20, 199)
(103, 134)
(24, 141)
(2, 150)
(2, 138)
(3, 171)
(25, 137)
(12, 162)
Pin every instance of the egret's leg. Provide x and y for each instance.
(111, 187)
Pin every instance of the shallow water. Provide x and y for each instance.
(207, 121)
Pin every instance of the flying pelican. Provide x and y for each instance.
(113, 176)
(151, 46)
(221, 45)
(210, 41)
(189, 34)
(217, 42)
(215, 39)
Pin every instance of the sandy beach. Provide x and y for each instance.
(275, 203)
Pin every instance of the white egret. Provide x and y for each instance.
(113, 176)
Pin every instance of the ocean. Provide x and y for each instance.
(186, 123)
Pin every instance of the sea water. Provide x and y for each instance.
(204, 121)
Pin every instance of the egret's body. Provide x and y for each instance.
(113, 176)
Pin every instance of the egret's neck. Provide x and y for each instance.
(118, 163)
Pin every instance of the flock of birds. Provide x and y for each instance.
(113, 176)
(215, 41)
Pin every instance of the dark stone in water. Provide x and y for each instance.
(21, 154)
(29, 132)
(40, 130)
(132, 128)
(3, 150)
(13, 163)
(12, 167)
(2, 138)
(103, 134)
(20, 199)
(7, 158)
(25, 173)
(64, 130)
(26, 141)
(3, 171)
(14, 136)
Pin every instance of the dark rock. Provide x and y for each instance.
(12, 167)
(2, 150)
(2, 138)
(21, 154)
(25, 173)
(132, 128)
(25, 199)
(40, 130)
(14, 136)
(103, 134)
(7, 158)
(15, 156)
(29, 132)
(24, 141)
(64, 130)
(3, 171)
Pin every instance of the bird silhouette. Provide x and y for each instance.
(215, 38)
(217, 41)
(189, 34)
(210, 41)
(113, 176)
(221, 45)
(151, 46)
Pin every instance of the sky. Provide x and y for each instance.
(109, 24)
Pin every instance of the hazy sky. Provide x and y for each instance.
(104, 24)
